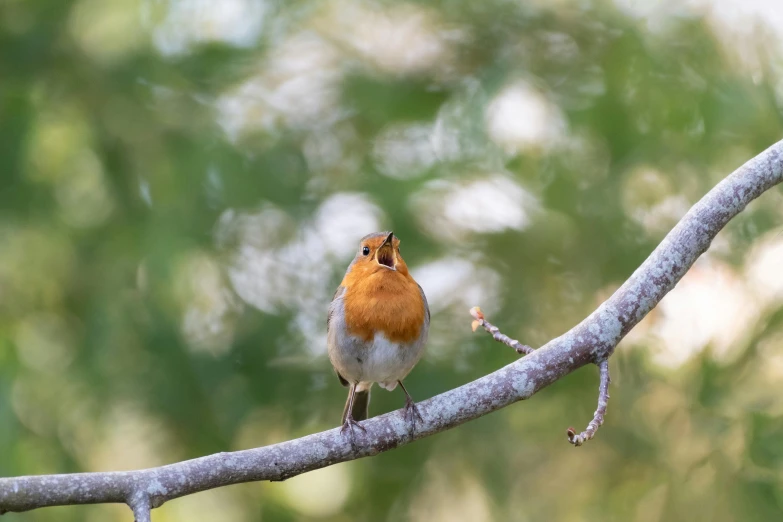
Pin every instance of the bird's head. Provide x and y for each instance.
(379, 252)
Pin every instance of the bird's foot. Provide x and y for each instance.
(411, 412)
(349, 424)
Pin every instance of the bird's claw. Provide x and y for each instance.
(411, 412)
(349, 424)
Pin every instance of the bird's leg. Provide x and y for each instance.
(348, 422)
(411, 411)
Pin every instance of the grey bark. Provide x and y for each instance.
(593, 340)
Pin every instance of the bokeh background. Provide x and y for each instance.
(183, 183)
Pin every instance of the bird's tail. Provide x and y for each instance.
(361, 403)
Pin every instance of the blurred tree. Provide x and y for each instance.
(183, 182)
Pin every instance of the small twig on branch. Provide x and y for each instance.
(603, 389)
(140, 504)
(598, 417)
(478, 315)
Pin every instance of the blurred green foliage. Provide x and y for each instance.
(183, 183)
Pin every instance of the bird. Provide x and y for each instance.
(377, 325)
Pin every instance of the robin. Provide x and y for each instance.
(376, 326)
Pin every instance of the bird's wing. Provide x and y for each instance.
(426, 305)
(338, 295)
(342, 379)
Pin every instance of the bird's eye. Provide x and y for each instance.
(366, 251)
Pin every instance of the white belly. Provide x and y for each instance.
(379, 360)
(387, 362)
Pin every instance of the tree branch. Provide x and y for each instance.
(603, 366)
(598, 417)
(594, 339)
(480, 320)
(140, 505)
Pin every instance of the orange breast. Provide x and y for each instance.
(383, 301)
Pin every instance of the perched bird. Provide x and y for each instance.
(377, 325)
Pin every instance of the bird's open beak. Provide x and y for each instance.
(385, 254)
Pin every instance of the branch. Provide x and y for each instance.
(594, 339)
(603, 365)
(598, 416)
(479, 320)
(140, 505)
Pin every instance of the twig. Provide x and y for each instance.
(598, 417)
(140, 504)
(603, 389)
(594, 339)
(479, 320)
